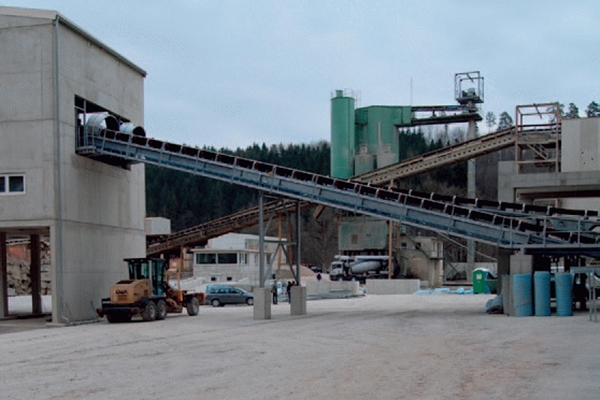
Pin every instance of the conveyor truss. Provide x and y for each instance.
(530, 228)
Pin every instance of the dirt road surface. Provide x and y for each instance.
(373, 347)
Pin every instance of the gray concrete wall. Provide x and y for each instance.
(101, 220)
(337, 288)
(527, 187)
(580, 163)
(580, 147)
(393, 286)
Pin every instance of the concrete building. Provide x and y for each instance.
(52, 73)
(576, 184)
(233, 257)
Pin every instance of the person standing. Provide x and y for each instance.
(289, 290)
(274, 291)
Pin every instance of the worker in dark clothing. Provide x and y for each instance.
(289, 290)
(580, 291)
(274, 291)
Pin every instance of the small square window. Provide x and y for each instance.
(12, 184)
(16, 184)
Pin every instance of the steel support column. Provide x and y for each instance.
(298, 241)
(471, 194)
(35, 268)
(3, 277)
(261, 240)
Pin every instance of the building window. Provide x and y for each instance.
(243, 259)
(229, 279)
(12, 184)
(227, 258)
(213, 278)
(206, 258)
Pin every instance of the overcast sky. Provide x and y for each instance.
(233, 73)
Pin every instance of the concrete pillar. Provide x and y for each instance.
(521, 264)
(298, 300)
(262, 303)
(503, 266)
(507, 303)
(3, 277)
(35, 274)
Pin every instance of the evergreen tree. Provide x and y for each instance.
(505, 121)
(573, 112)
(592, 110)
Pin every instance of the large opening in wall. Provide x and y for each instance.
(92, 119)
(25, 256)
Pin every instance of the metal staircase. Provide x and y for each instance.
(491, 222)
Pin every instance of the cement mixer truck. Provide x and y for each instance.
(361, 268)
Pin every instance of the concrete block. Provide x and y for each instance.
(393, 286)
(507, 294)
(298, 300)
(521, 264)
(324, 288)
(262, 303)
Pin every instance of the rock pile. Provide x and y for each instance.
(18, 269)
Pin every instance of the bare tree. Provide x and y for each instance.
(490, 120)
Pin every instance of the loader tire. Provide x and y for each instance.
(149, 313)
(193, 306)
(161, 310)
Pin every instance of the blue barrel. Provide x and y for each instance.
(564, 294)
(541, 293)
(522, 299)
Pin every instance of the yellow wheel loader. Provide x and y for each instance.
(147, 294)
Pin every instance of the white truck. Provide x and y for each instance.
(360, 268)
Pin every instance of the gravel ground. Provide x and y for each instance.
(374, 347)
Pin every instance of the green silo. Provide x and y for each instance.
(343, 140)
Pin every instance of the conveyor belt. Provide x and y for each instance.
(230, 223)
(442, 157)
(483, 226)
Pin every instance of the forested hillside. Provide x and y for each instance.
(189, 200)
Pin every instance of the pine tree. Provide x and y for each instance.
(592, 110)
(505, 121)
(573, 112)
